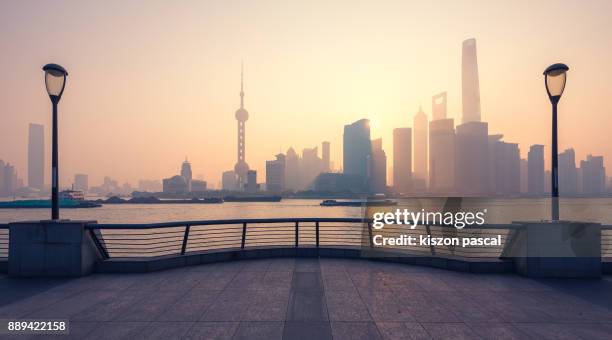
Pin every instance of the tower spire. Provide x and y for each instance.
(241, 84)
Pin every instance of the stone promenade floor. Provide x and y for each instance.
(314, 299)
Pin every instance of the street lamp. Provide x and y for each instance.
(55, 81)
(554, 79)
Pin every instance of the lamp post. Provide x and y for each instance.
(55, 81)
(554, 79)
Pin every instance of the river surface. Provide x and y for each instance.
(498, 210)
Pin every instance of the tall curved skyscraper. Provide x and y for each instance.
(242, 115)
(470, 89)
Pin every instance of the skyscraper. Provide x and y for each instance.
(275, 174)
(242, 115)
(251, 184)
(81, 182)
(325, 155)
(438, 106)
(36, 157)
(228, 180)
(378, 167)
(292, 170)
(470, 89)
(442, 156)
(471, 158)
(402, 159)
(310, 166)
(535, 170)
(357, 148)
(505, 172)
(186, 173)
(568, 173)
(420, 145)
(593, 175)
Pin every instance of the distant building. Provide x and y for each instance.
(175, 185)
(378, 168)
(311, 166)
(275, 174)
(36, 157)
(402, 160)
(420, 145)
(81, 183)
(325, 146)
(568, 173)
(357, 148)
(340, 183)
(186, 173)
(504, 167)
(593, 175)
(535, 170)
(524, 170)
(229, 181)
(471, 158)
(442, 156)
(242, 115)
(149, 185)
(292, 170)
(251, 184)
(470, 89)
(198, 185)
(438, 106)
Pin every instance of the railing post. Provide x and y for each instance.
(243, 235)
(185, 238)
(297, 234)
(370, 234)
(98, 244)
(317, 232)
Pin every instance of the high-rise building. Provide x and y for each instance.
(438, 106)
(251, 185)
(275, 174)
(524, 171)
(442, 156)
(470, 89)
(36, 157)
(326, 156)
(504, 167)
(228, 181)
(402, 159)
(471, 159)
(81, 183)
(292, 170)
(357, 148)
(593, 175)
(242, 115)
(310, 166)
(186, 173)
(568, 173)
(420, 145)
(378, 167)
(535, 170)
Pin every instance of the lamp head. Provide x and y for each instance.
(55, 81)
(555, 77)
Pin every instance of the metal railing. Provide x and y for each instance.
(4, 241)
(184, 237)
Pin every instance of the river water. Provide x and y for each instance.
(498, 210)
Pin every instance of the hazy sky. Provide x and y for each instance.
(154, 81)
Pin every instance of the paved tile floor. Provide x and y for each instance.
(314, 299)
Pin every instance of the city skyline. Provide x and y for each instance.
(198, 97)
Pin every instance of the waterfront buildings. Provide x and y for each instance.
(175, 185)
(568, 173)
(36, 157)
(470, 89)
(420, 145)
(402, 160)
(325, 148)
(187, 174)
(442, 156)
(275, 174)
(377, 167)
(357, 148)
(292, 170)
(198, 186)
(251, 184)
(328, 182)
(471, 159)
(535, 170)
(228, 181)
(81, 183)
(593, 175)
(504, 173)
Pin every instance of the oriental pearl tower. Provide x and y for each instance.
(242, 115)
